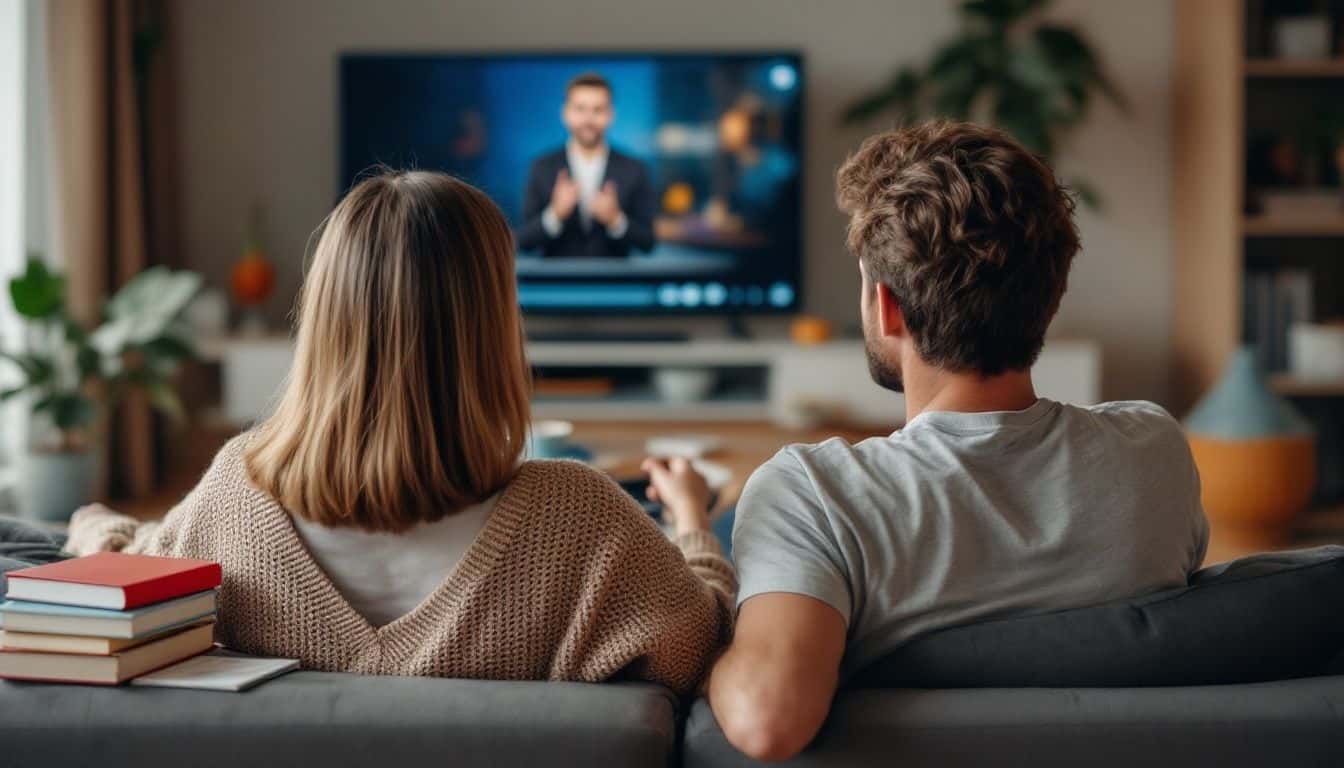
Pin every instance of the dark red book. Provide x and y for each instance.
(113, 580)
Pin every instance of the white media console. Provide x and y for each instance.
(776, 380)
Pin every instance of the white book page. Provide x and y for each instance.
(218, 670)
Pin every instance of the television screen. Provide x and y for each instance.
(635, 183)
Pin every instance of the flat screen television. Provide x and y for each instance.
(701, 155)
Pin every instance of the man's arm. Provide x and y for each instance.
(772, 688)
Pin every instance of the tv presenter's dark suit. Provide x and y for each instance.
(634, 194)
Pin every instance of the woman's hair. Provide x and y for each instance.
(408, 398)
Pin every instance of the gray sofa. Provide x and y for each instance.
(330, 720)
(1290, 723)
(1272, 617)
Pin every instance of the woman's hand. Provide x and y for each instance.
(682, 491)
(95, 528)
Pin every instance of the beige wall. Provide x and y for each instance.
(258, 114)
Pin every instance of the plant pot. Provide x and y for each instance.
(1255, 453)
(53, 484)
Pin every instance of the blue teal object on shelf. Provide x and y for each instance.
(1241, 406)
(1255, 453)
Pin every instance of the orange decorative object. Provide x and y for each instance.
(1255, 453)
(253, 279)
(807, 329)
(679, 198)
(1255, 485)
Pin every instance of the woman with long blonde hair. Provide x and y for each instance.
(382, 520)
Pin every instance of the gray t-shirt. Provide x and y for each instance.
(961, 517)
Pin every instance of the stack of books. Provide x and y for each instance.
(1273, 302)
(106, 618)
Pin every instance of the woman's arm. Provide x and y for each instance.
(645, 608)
(95, 528)
(685, 497)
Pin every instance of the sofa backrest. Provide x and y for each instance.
(1274, 616)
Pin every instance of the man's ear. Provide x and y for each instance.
(890, 319)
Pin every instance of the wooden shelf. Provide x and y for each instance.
(1287, 384)
(1322, 522)
(1261, 225)
(1294, 68)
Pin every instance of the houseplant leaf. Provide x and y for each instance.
(1070, 54)
(37, 294)
(72, 411)
(155, 293)
(1032, 78)
(88, 362)
(144, 309)
(1019, 111)
(36, 369)
(958, 72)
(900, 94)
(1000, 11)
(164, 398)
(1085, 192)
(170, 346)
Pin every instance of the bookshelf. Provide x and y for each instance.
(1229, 94)
(1290, 68)
(1292, 386)
(1262, 225)
(1239, 219)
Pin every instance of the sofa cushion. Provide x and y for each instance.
(1289, 723)
(313, 718)
(1266, 617)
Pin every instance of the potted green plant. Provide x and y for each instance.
(72, 377)
(1007, 67)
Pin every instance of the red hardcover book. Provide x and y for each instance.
(113, 580)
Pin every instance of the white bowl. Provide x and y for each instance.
(684, 385)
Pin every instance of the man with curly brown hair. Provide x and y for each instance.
(990, 502)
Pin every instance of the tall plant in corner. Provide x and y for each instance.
(1008, 67)
(73, 376)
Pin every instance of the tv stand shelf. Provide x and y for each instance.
(649, 408)
(794, 384)
(746, 390)
(700, 352)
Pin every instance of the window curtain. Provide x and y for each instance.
(13, 50)
(110, 183)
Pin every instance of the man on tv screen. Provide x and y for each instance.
(586, 199)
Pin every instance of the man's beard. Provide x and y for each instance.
(588, 139)
(884, 374)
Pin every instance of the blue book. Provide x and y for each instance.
(54, 619)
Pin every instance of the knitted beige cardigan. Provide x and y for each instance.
(568, 580)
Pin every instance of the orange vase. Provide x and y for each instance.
(253, 279)
(1256, 456)
(1256, 487)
